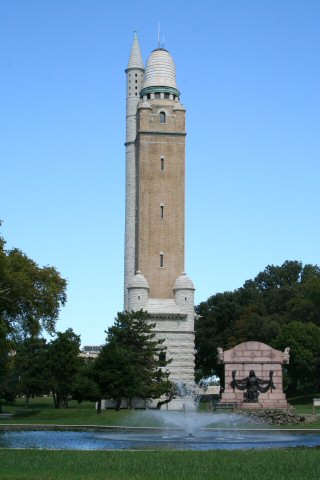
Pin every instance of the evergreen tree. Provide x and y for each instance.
(131, 363)
(84, 386)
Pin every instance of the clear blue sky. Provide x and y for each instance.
(249, 76)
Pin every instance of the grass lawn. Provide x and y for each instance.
(293, 464)
(41, 411)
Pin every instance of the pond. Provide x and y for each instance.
(141, 439)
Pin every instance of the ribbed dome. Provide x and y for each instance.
(138, 281)
(160, 72)
(183, 283)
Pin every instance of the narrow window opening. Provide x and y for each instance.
(161, 260)
(157, 95)
(166, 95)
(138, 297)
(162, 164)
(162, 359)
(161, 211)
(162, 117)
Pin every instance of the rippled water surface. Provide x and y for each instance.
(218, 440)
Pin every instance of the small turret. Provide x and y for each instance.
(184, 291)
(134, 75)
(135, 70)
(138, 292)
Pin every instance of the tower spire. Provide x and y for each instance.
(135, 60)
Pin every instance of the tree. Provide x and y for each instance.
(7, 384)
(304, 342)
(84, 387)
(31, 366)
(64, 364)
(128, 365)
(31, 296)
(259, 310)
(213, 328)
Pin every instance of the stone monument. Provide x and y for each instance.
(253, 376)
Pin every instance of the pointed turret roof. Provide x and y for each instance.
(135, 60)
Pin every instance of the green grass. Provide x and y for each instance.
(41, 411)
(293, 464)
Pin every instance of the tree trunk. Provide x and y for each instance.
(27, 401)
(99, 406)
(163, 402)
(58, 400)
(118, 404)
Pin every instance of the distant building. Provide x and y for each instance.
(90, 351)
(154, 278)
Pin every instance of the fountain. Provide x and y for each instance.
(167, 437)
(175, 430)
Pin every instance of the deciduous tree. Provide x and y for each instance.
(64, 364)
(263, 309)
(31, 367)
(304, 342)
(31, 296)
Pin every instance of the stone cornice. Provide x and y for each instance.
(156, 132)
(161, 89)
(134, 68)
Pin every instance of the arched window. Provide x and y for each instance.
(162, 117)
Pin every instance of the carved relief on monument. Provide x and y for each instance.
(253, 375)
